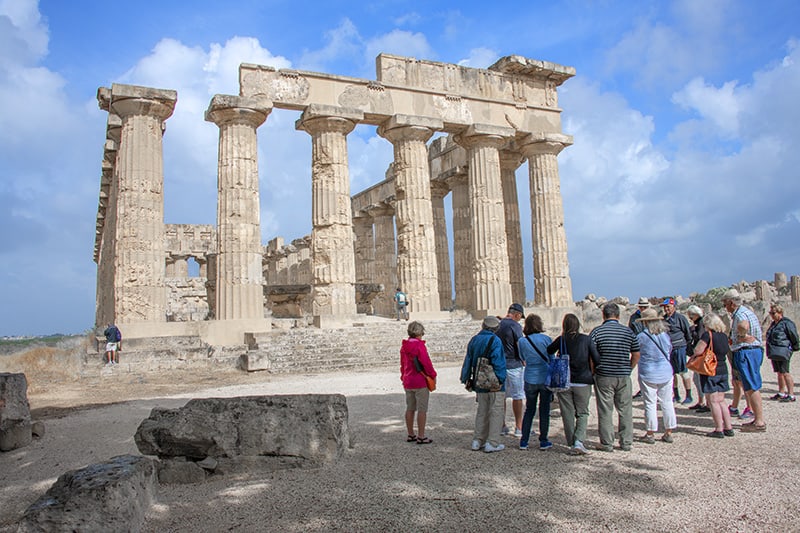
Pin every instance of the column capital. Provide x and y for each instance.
(484, 135)
(227, 109)
(510, 160)
(409, 128)
(324, 118)
(544, 143)
(456, 176)
(127, 100)
(439, 188)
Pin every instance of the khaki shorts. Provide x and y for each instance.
(417, 399)
(111, 346)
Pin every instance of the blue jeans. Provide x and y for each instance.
(536, 393)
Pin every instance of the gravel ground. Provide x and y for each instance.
(745, 483)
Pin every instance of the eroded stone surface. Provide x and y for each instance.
(15, 412)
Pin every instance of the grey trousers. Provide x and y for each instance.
(575, 412)
(614, 393)
(489, 418)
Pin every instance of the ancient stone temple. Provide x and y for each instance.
(395, 234)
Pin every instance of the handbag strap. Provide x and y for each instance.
(536, 348)
(657, 345)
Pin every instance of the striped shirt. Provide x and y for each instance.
(740, 314)
(614, 343)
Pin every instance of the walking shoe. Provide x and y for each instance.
(733, 411)
(637, 395)
(715, 434)
(696, 406)
(728, 432)
(753, 428)
(776, 397)
(625, 447)
(647, 439)
(489, 448)
(523, 446)
(747, 414)
(687, 400)
(476, 445)
(703, 409)
(667, 437)
(603, 448)
(517, 433)
(579, 449)
(505, 430)
(788, 399)
(546, 445)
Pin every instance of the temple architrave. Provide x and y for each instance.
(485, 124)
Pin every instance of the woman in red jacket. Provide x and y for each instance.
(414, 382)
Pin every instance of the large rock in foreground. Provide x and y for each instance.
(110, 496)
(251, 431)
(15, 412)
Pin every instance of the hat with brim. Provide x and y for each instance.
(649, 315)
(643, 302)
(491, 322)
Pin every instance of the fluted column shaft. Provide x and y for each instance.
(140, 254)
(438, 191)
(239, 288)
(364, 249)
(385, 260)
(462, 223)
(509, 161)
(553, 286)
(491, 285)
(333, 262)
(416, 245)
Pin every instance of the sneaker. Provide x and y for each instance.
(546, 445)
(476, 445)
(579, 449)
(637, 395)
(667, 437)
(687, 400)
(489, 448)
(647, 439)
(602, 448)
(523, 447)
(734, 411)
(625, 447)
(747, 414)
(776, 397)
(518, 433)
(703, 409)
(696, 406)
(788, 399)
(715, 434)
(505, 431)
(728, 432)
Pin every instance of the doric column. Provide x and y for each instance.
(491, 284)
(140, 293)
(240, 293)
(385, 259)
(794, 288)
(416, 245)
(462, 253)
(439, 190)
(509, 161)
(333, 262)
(552, 284)
(364, 249)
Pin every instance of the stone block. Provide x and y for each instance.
(254, 361)
(180, 471)
(110, 496)
(283, 430)
(15, 412)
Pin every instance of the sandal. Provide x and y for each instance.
(411, 438)
(423, 440)
(753, 428)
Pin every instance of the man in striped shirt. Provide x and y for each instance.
(618, 350)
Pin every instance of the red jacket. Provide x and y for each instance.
(408, 374)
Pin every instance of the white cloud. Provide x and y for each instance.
(23, 35)
(400, 42)
(342, 42)
(719, 105)
(480, 58)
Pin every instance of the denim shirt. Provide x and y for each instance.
(654, 366)
(535, 364)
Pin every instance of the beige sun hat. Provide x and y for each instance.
(643, 302)
(649, 315)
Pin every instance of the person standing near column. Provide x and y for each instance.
(618, 355)
(401, 301)
(113, 342)
(680, 335)
(510, 332)
(746, 342)
(697, 329)
(489, 417)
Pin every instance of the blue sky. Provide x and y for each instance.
(683, 175)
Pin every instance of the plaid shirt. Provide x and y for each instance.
(743, 313)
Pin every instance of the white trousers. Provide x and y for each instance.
(654, 394)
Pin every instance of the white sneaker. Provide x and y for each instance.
(518, 433)
(476, 445)
(579, 448)
(489, 448)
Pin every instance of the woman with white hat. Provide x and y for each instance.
(655, 376)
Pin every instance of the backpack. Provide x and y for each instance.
(401, 297)
(117, 334)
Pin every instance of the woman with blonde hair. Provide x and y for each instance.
(715, 387)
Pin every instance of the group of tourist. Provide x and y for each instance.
(658, 345)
